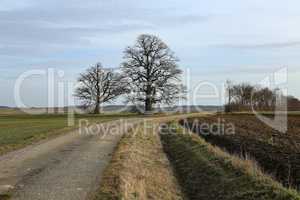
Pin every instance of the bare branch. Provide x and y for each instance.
(152, 71)
(98, 86)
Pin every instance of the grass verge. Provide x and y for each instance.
(206, 172)
(139, 170)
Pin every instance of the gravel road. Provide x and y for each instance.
(68, 167)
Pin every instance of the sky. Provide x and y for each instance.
(244, 41)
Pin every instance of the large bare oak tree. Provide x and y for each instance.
(98, 85)
(152, 72)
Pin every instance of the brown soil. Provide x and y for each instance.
(277, 153)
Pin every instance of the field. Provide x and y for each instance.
(278, 154)
(206, 172)
(19, 130)
(166, 163)
(161, 159)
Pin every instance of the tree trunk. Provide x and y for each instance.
(97, 106)
(148, 104)
(97, 109)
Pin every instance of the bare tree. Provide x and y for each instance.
(152, 72)
(229, 90)
(99, 85)
(245, 96)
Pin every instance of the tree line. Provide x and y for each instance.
(245, 97)
(148, 75)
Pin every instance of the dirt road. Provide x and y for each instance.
(67, 167)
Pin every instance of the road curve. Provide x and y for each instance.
(68, 167)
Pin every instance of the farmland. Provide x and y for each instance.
(278, 154)
(207, 172)
(19, 130)
(166, 163)
(129, 165)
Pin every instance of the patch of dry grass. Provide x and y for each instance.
(139, 169)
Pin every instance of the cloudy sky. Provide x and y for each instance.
(215, 40)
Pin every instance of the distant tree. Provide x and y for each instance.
(293, 103)
(98, 85)
(264, 98)
(244, 97)
(229, 90)
(152, 72)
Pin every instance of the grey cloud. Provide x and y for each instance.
(51, 25)
(258, 69)
(262, 46)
